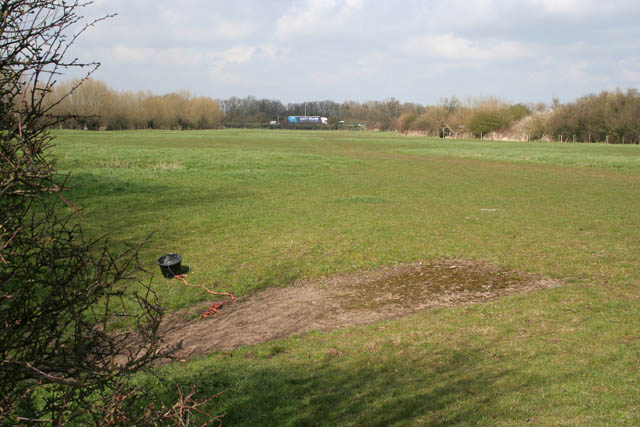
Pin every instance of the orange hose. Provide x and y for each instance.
(213, 308)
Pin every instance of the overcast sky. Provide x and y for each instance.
(416, 51)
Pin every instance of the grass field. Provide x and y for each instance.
(252, 209)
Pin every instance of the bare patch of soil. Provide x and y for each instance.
(345, 300)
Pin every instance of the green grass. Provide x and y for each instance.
(250, 209)
(524, 359)
(561, 154)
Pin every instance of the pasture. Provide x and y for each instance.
(251, 210)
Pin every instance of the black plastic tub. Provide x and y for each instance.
(170, 265)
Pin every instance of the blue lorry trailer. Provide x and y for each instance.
(299, 120)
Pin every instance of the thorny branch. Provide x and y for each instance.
(60, 290)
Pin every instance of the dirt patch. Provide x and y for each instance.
(344, 300)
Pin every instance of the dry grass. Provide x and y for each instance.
(116, 163)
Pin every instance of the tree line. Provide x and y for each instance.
(92, 105)
(611, 116)
(608, 117)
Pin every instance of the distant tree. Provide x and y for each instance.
(483, 122)
(450, 104)
(123, 112)
(88, 102)
(404, 121)
(608, 116)
(430, 121)
(158, 113)
(533, 126)
(514, 113)
(204, 113)
(409, 107)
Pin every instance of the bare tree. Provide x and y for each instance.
(59, 290)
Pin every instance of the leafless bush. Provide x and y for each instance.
(59, 290)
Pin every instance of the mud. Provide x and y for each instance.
(344, 300)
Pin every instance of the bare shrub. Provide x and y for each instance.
(59, 291)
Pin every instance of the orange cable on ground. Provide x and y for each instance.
(213, 308)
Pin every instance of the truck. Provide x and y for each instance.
(303, 120)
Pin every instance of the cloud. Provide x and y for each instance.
(451, 47)
(233, 29)
(189, 27)
(220, 63)
(580, 8)
(238, 54)
(162, 22)
(632, 76)
(578, 71)
(272, 52)
(225, 30)
(630, 70)
(315, 17)
(368, 49)
(321, 78)
(158, 56)
(563, 6)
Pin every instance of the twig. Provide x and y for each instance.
(50, 377)
(33, 420)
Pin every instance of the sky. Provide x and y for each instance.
(360, 50)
